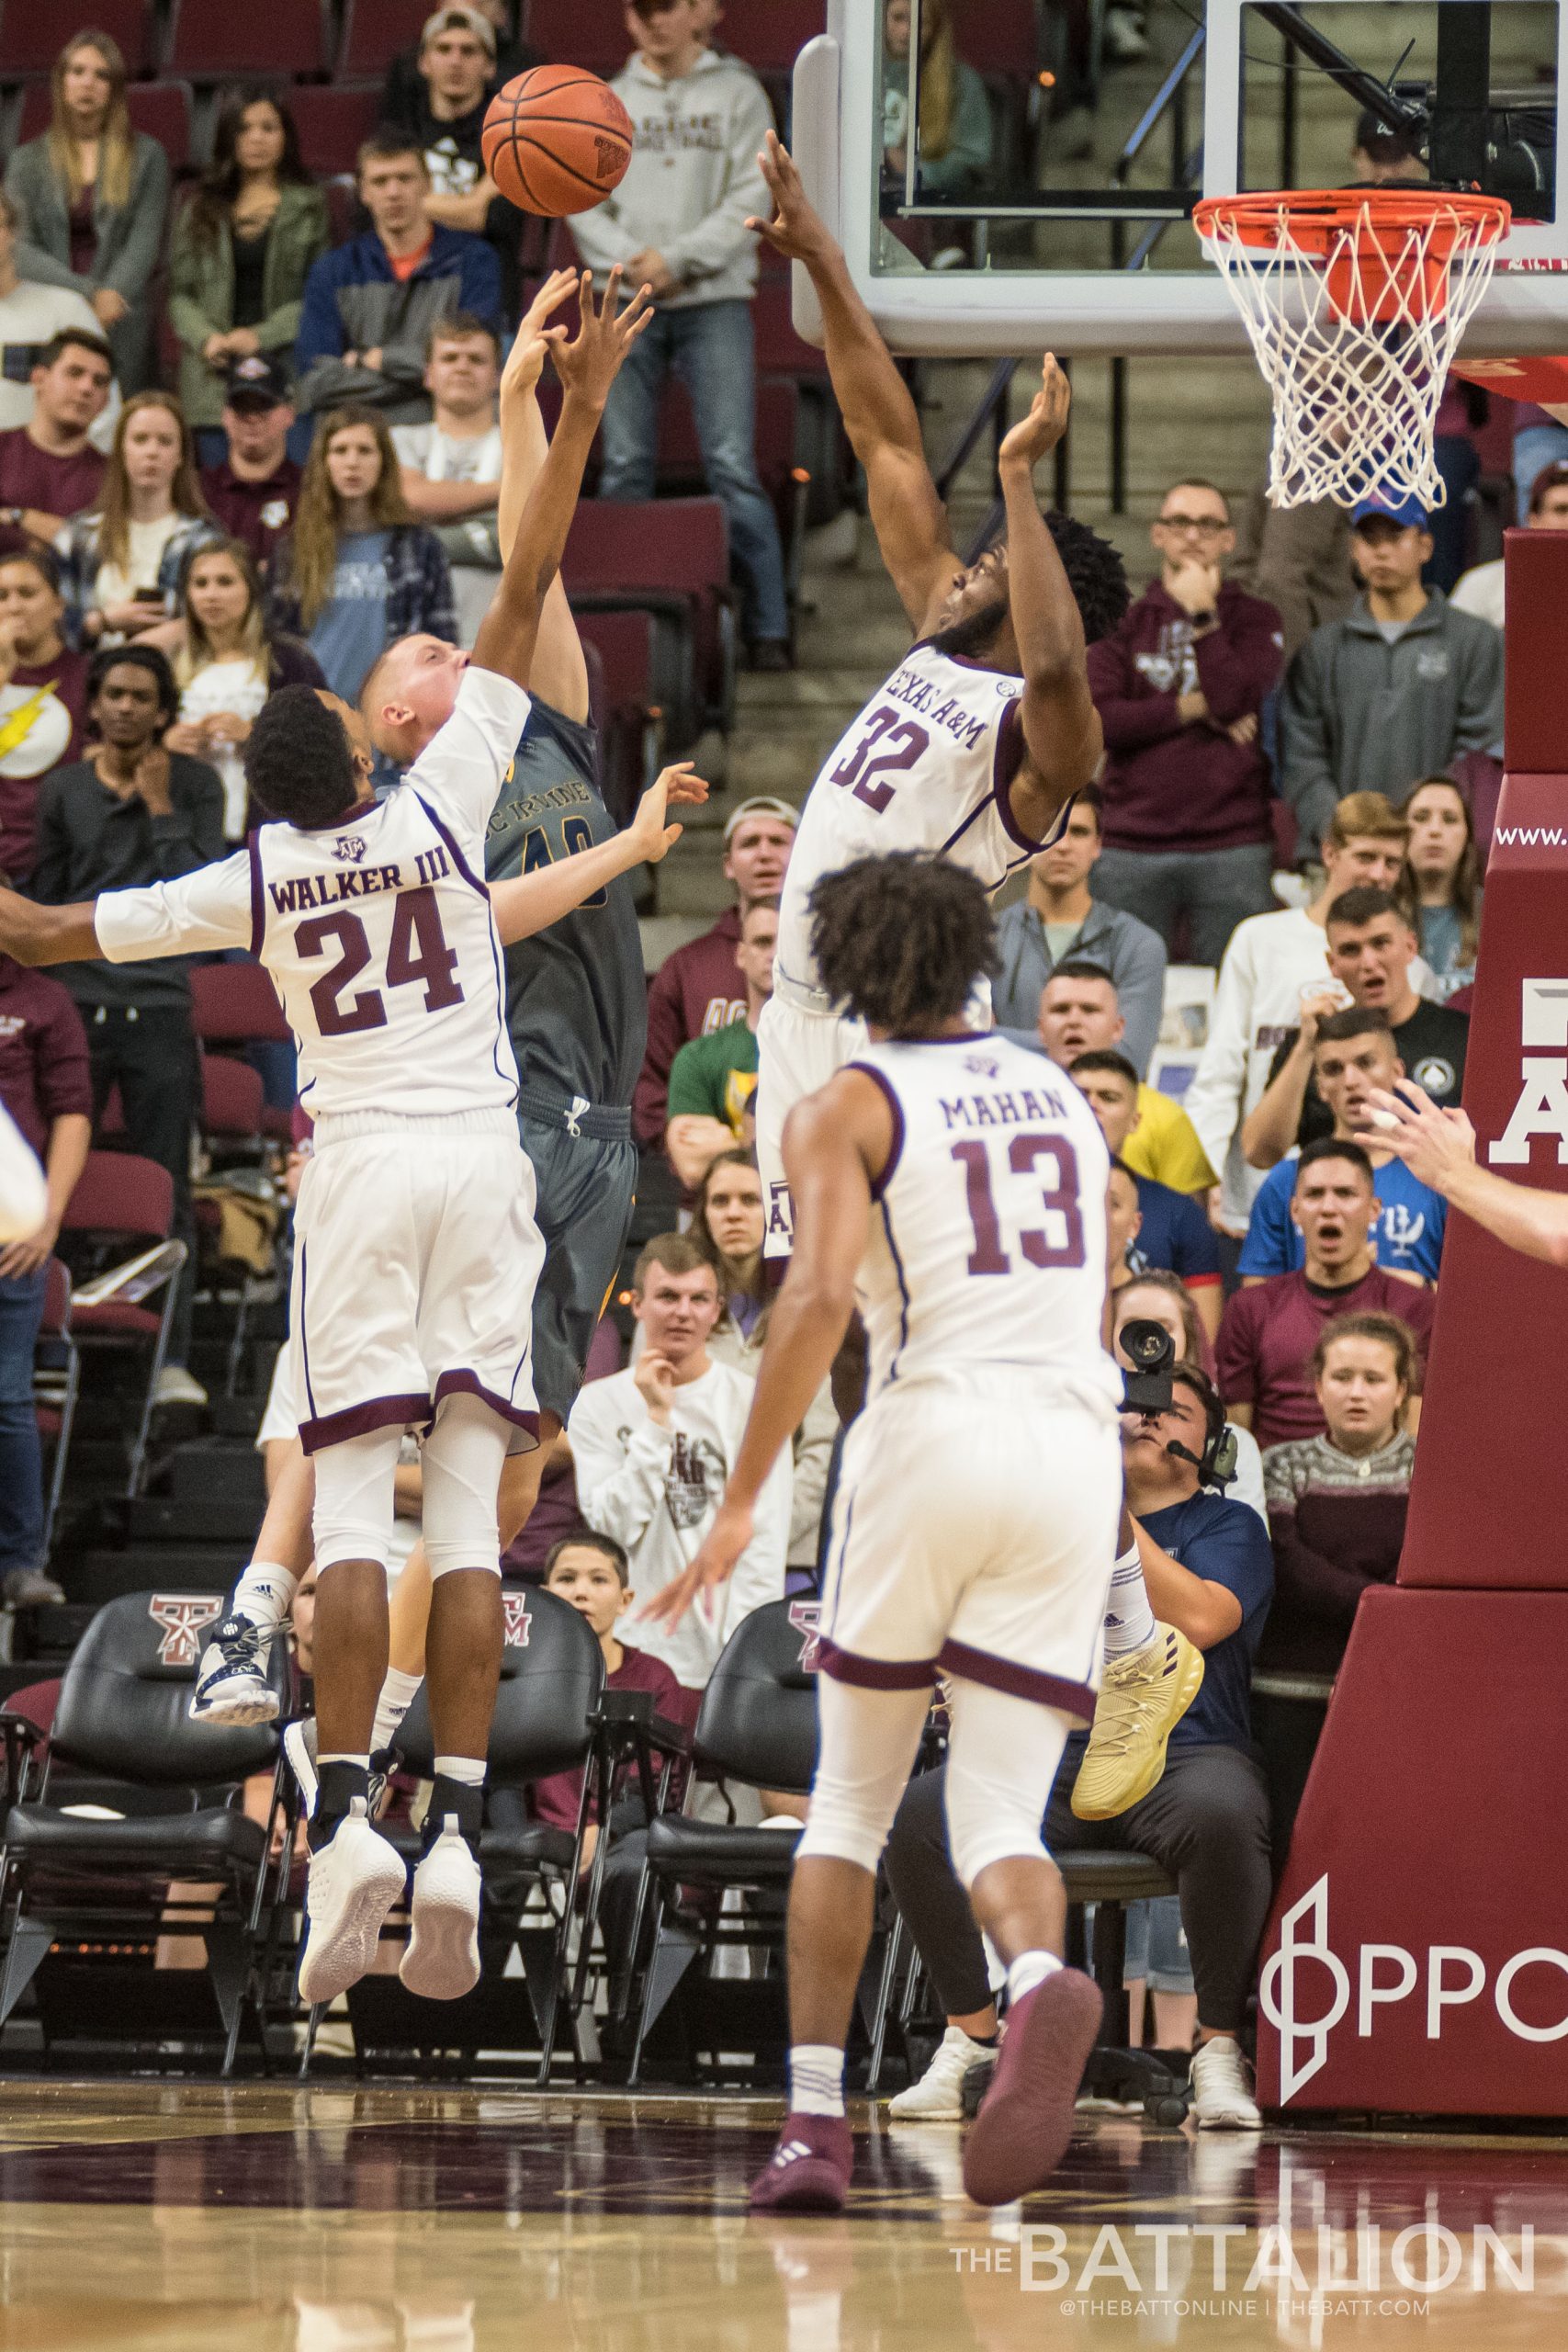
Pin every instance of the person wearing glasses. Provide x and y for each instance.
(1179, 686)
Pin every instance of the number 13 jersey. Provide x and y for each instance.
(928, 764)
(376, 930)
(988, 1241)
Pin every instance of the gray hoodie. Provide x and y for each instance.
(691, 182)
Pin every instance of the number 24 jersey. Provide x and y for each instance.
(377, 931)
(988, 1243)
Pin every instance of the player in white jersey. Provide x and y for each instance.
(980, 738)
(954, 1188)
(416, 1250)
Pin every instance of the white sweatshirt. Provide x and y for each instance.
(691, 182)
(655, 1490)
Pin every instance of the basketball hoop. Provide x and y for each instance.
(1355, 301)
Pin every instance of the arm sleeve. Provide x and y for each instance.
(50, 882)
(187, 318)
(650, 1114)
(1197, 1253)
(1267, 1249)
(460, 772)
(1218, 1091)
(1306, 772)
(1130, 719)
(279, 330)
(191, 835)
(1317, 1586)
(1139, 990)
(1236, 1351)
(200, 912)
(137, 257)
(759, 1571)
(1238, 663)
(1481, 703)
(715, 242)
(620, 1484)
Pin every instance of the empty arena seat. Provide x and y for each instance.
(333, 124)
(670, 556)
(771, 38)
(212, 41)
(33, 32)
(56, 1379)
(165, 111)
(374, 32)
(626, 709)
(128, 1202)
(235, 1004)
(580, 32)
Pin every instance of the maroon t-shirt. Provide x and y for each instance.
(558, 1798)
(40, 729)
(44, 1074)
(699, 988)
(1269, 1334)
(259, 512)
(33, 477)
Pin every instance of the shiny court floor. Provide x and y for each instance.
(198, 2219)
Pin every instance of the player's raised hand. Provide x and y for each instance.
(1435, 1144)
(652, 837)
(1034, 434)
(555, 290)
(798, 229)
(588, 363)
(715, 1564)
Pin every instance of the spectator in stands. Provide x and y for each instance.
(1443, 881)
(1353, 1052)
(43, 688)
(1298, 560)
(441, 108)
(1371, 950)
(121, 565)
(1480, 591)
(369, 305)
(1394, 692)
(225, 666)
(1338, 1501)
(1273, 963)
(240, 255)
(1173, 1231)
(1123, 1219)
(1179, 685)
(677, 223)
(46, 1087)
(254, 489)
(50, 470)
(405, 89)
(451, 467)
(1209, 1572)
(1079, 1015)
(31, 315)
(1060, 917)
(1271, 1329)
(955, 132)
(93, 195)
(1157, 1296)
(130, 814)
(713, 1077)
(654, 1447)
(356, 571)
(700, 986)
(727, 1224)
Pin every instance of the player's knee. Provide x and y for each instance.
(987, 1824)
(844, 1825)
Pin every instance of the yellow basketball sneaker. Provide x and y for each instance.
(1142, 1699)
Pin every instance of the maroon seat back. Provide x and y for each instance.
(332, 125)
(36, 32)
(118, 1192)
(56, 1320)
(581, 33)
(235, 1003)
(374, 32)
(232, 1097)
(213, 40)
(769, 38)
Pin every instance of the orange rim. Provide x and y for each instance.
(1318, 218)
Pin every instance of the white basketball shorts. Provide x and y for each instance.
(798, 1051)
(973, 1534)
(415, 1258)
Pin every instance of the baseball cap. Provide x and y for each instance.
(458, 20)
(761, 804)
(257, 381)
(1407, 512)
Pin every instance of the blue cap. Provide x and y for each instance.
(1408, 513)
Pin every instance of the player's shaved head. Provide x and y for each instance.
(902, 940)
(307, 760)
(409, 693)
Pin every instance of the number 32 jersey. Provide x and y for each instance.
(377, 931)
(928, 764)
(988, 1243)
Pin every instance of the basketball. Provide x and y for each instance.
(557, 140)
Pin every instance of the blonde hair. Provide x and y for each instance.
(1367, 817)
(185, 491)
(196, 651)
(117, 141)
(313, 547)
(936, 78)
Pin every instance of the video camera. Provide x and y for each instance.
(1148, 1389)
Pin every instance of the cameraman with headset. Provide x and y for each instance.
(1209, 1568)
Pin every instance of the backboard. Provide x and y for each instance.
(1052, 195)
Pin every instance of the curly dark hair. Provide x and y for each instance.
(902, 940)
(1096, 574)
(151, 659)
(298, 761)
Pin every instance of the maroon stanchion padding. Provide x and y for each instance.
(1423, 1913)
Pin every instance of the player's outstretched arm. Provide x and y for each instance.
(587, 364)
(559, 674)
(36, 934)
(1438, 1149)
(880, 418)
(835, 1144)
(1061, 726)
(532, 901)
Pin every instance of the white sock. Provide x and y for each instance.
(468, 1771)
(815, 2079)
(397, 1694)
(1129, 1620)
(1029, 1969)
(264, 1594)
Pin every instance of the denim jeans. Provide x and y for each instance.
(710, 348)
(1459, 467)
(21, 1460)
(1216, 888)
(1536, 446)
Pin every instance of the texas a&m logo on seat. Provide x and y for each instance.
(806, 1616)
(515, 1607)
(181, 1616)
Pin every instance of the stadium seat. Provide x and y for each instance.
(373, 31)
(1001, 37)
(165, 111)
(332, 123)
(756, 1724)
(235, 1004)
(128, 1203)
(232, 1128)
(580, 32)
(33, 32)
(670, 556)
(122, 1716)
(769, 38)
(57, 1372)
(626, 709)
(211, 40)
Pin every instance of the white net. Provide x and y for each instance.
(1355, 322)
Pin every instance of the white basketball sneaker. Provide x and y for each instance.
(1222, 2087)
(938, 2096)
(354, 1881)
(442, 1960)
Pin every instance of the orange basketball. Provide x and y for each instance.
(556, 139)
